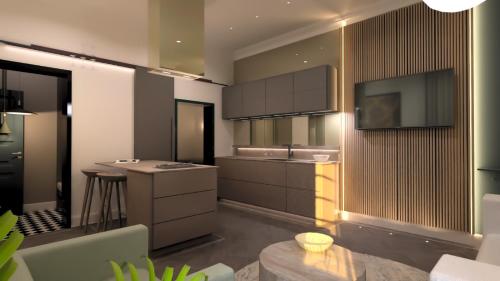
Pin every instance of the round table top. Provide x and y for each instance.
(286, 261)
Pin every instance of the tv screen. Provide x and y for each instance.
(417, 101)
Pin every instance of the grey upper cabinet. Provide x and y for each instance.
(254, 98)
(153, 116)
(279, 94)
(311, 89)
(232, 102)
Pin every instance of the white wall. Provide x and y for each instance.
(102, 125)
(210, 93)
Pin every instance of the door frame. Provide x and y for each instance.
(63, 101)
(208, 138)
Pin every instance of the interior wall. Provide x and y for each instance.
(419, 176)
(209, 93)
(486, 102)
(40, 138)
(102, 112)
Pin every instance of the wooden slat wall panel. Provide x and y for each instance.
(416, 175)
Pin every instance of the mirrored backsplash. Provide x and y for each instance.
(314, 130)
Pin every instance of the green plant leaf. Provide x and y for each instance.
(151, 269)
(118, 271)
(200, 276)
(184, 272)
(9, 246)
(134, 276)
(168, 274)
(7, 223)
(8, 270)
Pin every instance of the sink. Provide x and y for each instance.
(175, 166)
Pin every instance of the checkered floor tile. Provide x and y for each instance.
(39, 222)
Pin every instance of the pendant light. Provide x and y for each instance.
(452, 6)
(4, 129)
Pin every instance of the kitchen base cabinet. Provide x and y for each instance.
(300, 188)
(263, 195)
(301, 202)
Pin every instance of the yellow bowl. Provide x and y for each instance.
(314, 242)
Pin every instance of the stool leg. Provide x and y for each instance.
(91, 197)
(108, 213)
(100, 188)
(124, 189)
(85, 201)
(118, 199)
(101, 210)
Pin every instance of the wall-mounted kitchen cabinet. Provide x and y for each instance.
(254, 98)
(306, 91)
(232, 102)
(310, 89)
(279, 94)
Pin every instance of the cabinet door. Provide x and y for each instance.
(153, 116)
(232, 102)
(254, 98)
(279, 94)
(311, 88)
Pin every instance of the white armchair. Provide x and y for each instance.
(486, 267)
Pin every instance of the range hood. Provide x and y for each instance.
(176, 38)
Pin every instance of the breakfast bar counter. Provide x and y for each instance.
(176, 201)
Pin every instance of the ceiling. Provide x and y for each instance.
(235, 24)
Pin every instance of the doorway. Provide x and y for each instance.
(194, 132)
(35, 146)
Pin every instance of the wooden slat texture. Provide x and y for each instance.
(413, 175)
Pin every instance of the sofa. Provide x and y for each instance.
(87, 258)
(486, 266)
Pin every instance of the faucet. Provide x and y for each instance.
(290, 152)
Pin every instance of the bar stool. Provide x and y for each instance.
(111, 180)
(91, 175)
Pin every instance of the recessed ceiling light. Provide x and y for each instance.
(288, 2)
(257, 16)
(306, 61)
(178, 41)
(296, 54)
(230, 28)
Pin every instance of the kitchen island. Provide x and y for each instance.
(176, 203)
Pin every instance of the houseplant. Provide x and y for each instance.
(168, 274)
(9, 243)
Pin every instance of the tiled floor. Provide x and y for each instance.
(39, 222)
(246, 234)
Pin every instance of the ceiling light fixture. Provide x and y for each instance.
(257, 16)
(452, 6)
(178, 41)
(230, 28)
(288, 2)
(306, 61)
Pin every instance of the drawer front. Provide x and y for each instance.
(301, 176)
(169, 233)
(301, 202)
(182, 182)
(175, 207)
(264, 172)
(268, 196)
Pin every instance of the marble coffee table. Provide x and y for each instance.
(286, 261)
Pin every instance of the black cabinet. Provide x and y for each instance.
(232, 102)
(279, 94)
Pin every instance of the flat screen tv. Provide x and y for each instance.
(416, 101)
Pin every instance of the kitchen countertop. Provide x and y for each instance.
(272, 159)
(149, 166)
